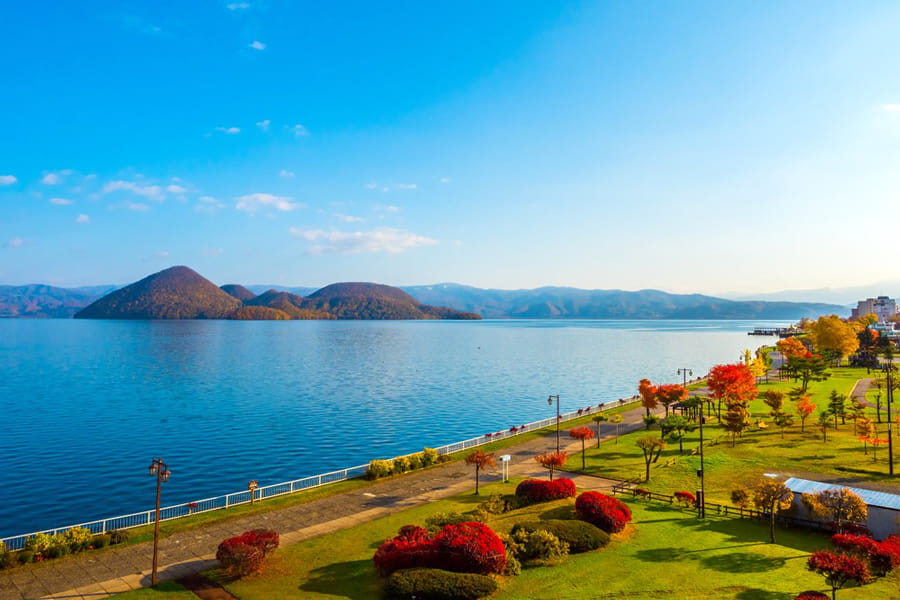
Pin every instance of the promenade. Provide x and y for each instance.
(91, 576)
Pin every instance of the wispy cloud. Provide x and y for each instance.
(60, 201)
(7, 179)
(208, 205)
(286, 174)
(371, 185)
(51, 179)
(387, 208)
(445, 180)
(385, 239)
(348, 218)
(137, 206)
(385, 187)
(176, 189)
(891, 107)
(252, 203)
(264, 124)
(298, 130)
(15, 243)
(153, 192)
(160, 255)
(406, 186)
(257, 45)
(136, 23)
(82, 219)
(237, 5)
(228, 130)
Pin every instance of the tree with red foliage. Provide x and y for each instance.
(648, 395)
(551, 460)
(608, 513)
(670, 394)
(481, 461)
(838, 569)
(732, 384)
(805, 408)
(583, 434)
(883, 557)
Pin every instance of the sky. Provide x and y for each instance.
(741, 147)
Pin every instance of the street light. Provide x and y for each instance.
(701, 497)
(687, 373)
(889, 369)
(550, 402)
(161, 471)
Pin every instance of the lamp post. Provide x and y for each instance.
(686, 373)
(161, 471)
(701, 497)
(889, 369)
(550, 402)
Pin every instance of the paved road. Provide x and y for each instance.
(99, 575)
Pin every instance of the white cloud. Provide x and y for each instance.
(264, 124)
(176, 189)
(82, 219)
(348, 218)
(384, 239)
(285, 173)
(7, 179)
(137, 206)
(237, 5)
(406, 186)
(213, 251)
(51, 179)
(208, 205)
(257, 45)
(298, 130)
(228, 130)
(444, 180)
(153, 192)
(15, 243)
(891, 107)
(251, 203)
(371, 185)
(387, 208)
(60, 201)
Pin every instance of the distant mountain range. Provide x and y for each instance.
(380, 301)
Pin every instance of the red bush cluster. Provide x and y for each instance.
(686, 498)
(539, 490)
(812, 595)
(244, 554)
(839, 568)
(608, 513)
(883, 557)
(463, 548)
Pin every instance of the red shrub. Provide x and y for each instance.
(812, 595)
(608, 513)
(883, 557)
(464, 548)
(838, 569)
(686, 498)
(244, 554)
(539, 490)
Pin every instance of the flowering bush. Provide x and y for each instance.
(244, 554)
(812, 595)
(463, 548)
(608, 513)
(379, 468)
(686, 498)
(538, 490)
(883, 557)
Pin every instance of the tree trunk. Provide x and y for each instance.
(647, 468)
(551, 472)
(477, 473)
(582, 452)
(772, 526)
(598, 434)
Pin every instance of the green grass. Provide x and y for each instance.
(168, 590)
(756, 452)
(664, 553)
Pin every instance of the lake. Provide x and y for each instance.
(86, 405)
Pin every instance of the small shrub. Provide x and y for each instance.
(538, 547)
(401, 464)
(429, 457)
(78, 538)
(539, 490)
(436, 584)
(513, 566)
(117, 536)
(415, 461)
(379, 468)
(8, 560)
(438, 521)
(465, 548)
(58, 547)
(812, 595)
(686, 499)
(266, 540)
(581, 536)
(608, 513)
(25, 556)
(444, 458)
(883, 557)
(101, 541)
(244, 554)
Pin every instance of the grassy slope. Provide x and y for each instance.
(757, 452)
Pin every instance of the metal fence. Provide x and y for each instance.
(288, 487)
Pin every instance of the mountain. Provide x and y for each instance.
(375, 301)
(259, 313)
(46, 301)
(839, 295)
(291, 304)
(175, 293)
(238, 291)
(297, 290)
(574, 303)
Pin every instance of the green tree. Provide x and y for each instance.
(837, 406)
(599, 418)
(617, 420)
(806, 369)
(783, 420)
(674, 427)
(824, 423)
(772, 496)
(651, 447)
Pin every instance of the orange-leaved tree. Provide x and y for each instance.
(648, 395)
(669, 394)
(481, 461)
(805, 408)
(551, 460)
(733, 384)
(583, 434)
(791, 347)
(771, 496)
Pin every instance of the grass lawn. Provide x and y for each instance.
(758, 451)
(664, 553)
(168, 590)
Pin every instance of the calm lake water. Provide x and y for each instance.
(85, 405)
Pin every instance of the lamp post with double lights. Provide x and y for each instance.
(889, 371)
(550, 402)
(161, 471)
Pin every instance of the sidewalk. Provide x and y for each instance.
(99, 575)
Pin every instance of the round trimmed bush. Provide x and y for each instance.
(608, 513)
(470, 548)
(539, 490)
(581, 536)
(437, 584)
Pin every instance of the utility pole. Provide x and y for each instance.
(550, 402)
(701, 495)
(161, 471)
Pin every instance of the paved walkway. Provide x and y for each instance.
(91, 576)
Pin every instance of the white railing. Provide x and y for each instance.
(185, 509)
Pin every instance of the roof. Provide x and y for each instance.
(870, 497)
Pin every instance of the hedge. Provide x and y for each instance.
(608, 513)
(437, 584)
(580, 535)
(540, 490)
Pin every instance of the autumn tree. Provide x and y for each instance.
(824, 423)
(651, 447)
(838, 569)
(865, 430)
(647, 392)
(842, 506)
(670, 394)
(584, 434)
(481, 461)
(741, 498)
(674, 427)
(774, 400)
(805, 407)
(833, 333)
(599, 418)
(731, 384)
(616, 419)
(736, 420)
(551, 460)
(807, 368)
(783, 420)
(790, 347)
(771, 496)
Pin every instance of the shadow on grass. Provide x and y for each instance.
(743, 562)
(756, 532)
(657, 555)
(353, 579)
(560, 512)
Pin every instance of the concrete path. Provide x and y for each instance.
(99, 575)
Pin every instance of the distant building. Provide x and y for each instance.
(882, 307)
(884, 508)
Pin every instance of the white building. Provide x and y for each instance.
(882, 307)
(884, 508)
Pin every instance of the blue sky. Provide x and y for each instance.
(690, 146)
